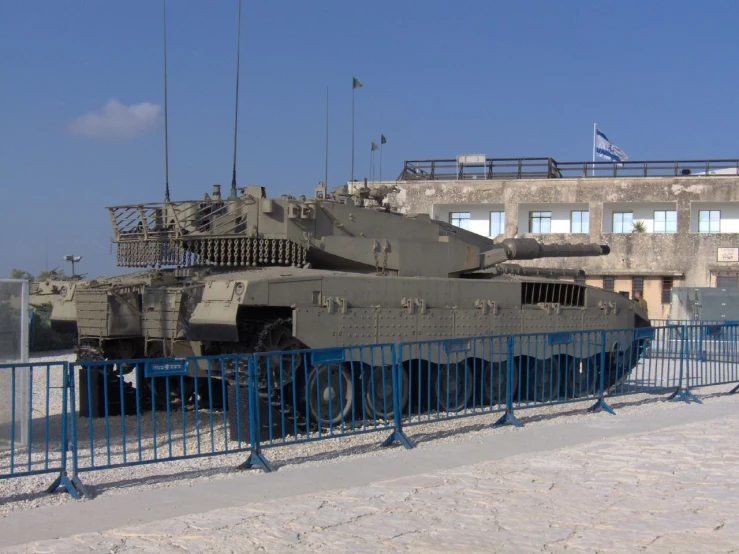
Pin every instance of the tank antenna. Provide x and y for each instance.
(166, 141)
(236, 111)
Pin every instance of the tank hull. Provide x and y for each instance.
(333, 309)
(274, 309)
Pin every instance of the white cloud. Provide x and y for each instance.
(114, 120)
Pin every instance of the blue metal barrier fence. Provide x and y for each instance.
(92, 415)
(31, 445)
(156, 410)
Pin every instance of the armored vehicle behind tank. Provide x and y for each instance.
(250, 273)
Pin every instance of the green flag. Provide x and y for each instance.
(356, 83)
(374, 146)
(383, 140)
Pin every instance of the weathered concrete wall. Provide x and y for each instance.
(690, 257)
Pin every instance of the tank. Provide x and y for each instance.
(249, 273)
(59, 293)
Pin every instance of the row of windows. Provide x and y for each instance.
(637, 284)
(497, 222)
(665, 221)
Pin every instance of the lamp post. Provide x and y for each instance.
(73, 259)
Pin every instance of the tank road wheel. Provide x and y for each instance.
(453, 384)
(569, 377)
(378, 391)
(583, 378)
(619, 365)
(330, 394)
(543, 379)
(278, 337)
(494, 384)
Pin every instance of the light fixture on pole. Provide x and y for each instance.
(73, 259)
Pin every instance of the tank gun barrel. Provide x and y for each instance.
(531, 249)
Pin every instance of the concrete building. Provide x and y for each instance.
(686, 215)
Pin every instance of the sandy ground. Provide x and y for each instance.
(624, 483)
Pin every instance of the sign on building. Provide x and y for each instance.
(471, 158)
(727, 254)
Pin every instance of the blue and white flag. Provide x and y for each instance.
(604, 148)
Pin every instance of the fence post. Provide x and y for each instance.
(601, 404)
(73, 486)
(397, 383)
(683, 394)
(732, 353)
(508, 416)
(256, 459)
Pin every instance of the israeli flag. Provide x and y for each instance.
(604, 148)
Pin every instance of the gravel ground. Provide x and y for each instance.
(27, 492)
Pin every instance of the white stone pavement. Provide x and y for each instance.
(664, 483)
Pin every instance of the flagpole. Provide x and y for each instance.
(372, 158)
(595, 132)
(380, 160)
(353, 87)
(326, 169)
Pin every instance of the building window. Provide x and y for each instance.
(608, 283)
(460, 219)
(623, 222)
(497, 223)
(666, 289)
(727, 282)
(540, 222)
(665, 221)
(580, 222)
(709, 221)
(637, 283)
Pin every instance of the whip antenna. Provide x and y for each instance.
(166, 141)
(236, 111)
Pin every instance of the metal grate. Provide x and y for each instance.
(564, 294)
(608, 283)
(666, 289)
(637, 284)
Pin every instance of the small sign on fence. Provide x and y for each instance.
(456, 345)
(561, 337)
(165, 368)
(327, 356)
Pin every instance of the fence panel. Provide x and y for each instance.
(553, 368)
(158, 409)
(452, 377)
(647, 360)
(306, 395)
(33, 397)
(712, 353)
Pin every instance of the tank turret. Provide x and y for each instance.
(343, 231)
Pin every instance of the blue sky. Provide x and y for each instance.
(440, 78)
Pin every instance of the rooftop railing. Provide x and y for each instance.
(549, 168)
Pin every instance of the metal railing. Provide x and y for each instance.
(153, 410)
(549, 168)
(158, 410)
(36, 422)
